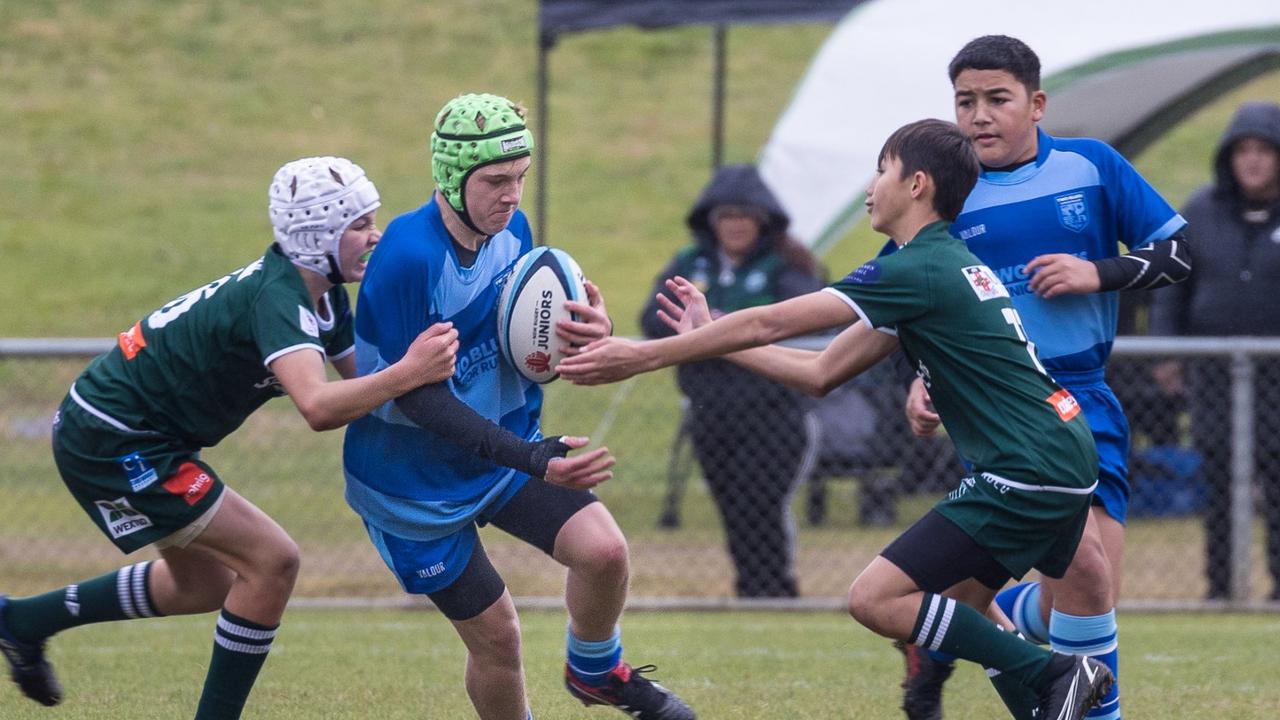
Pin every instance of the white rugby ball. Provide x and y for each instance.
(531, 302)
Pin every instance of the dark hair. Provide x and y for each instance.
(942, 151)
(998, 52)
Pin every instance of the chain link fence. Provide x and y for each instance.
(784, 498)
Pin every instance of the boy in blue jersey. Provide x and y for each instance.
(427, 469)
(1048, 215)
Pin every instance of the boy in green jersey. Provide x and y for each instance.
(1034, 461)
(127, 438)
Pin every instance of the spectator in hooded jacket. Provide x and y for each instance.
(1234, 226)
(747, 431)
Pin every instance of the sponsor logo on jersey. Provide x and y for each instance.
(131, 341)
(755, 282)
(868, 273)
(985, 284)
(430, 572)
(270, 382)
(538, 361)
(1072, 211)
(515, 143)
(1064, 403)
(191, 482)
(140, 473)
(120, 517)
(476, 359)
(307, 321)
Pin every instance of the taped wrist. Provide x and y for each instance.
(434, 407)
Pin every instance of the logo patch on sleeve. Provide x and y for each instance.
(868, 273)
(120, 517)
(985, 284)
(131, 341)
(1065, 404)
(307, 321)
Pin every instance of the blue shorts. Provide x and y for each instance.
(1111, 433)
(533, 511)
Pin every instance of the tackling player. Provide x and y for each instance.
(423, 483)
(1034, 462)
(128, 436)
(1048, 215)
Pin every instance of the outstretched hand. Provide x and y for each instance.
(692, 312)
(1062, 274)
(593, 321)
(604, 361)
(580, 472)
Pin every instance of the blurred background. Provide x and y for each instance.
(138, 141)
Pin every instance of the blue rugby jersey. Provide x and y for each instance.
(1080, 197)
(401, 478)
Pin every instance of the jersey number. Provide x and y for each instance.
(177, 307)
(1011, 317)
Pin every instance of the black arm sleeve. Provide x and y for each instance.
(434, 407)
(1161, 263)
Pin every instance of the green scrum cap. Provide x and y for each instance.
(472, 131)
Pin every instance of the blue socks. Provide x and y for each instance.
(1094, 636)
(1022, 604)
(591, 661)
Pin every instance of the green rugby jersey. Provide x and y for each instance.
(954, 319)
(197, 367)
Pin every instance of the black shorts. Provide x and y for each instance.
(936, 554)
(535, 514)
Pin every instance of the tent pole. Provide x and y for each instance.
(543, 113)
(717, 100)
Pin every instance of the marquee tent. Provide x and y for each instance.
(1124, 71)
(562, 17)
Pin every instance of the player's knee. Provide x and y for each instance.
(862, 602)
(278, 566)
(609, 557)
(497, 643)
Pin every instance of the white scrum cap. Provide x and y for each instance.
(311, 202)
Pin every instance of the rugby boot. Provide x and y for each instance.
(627, 689)
(922, 685)
(27, 666)
(1077, 688)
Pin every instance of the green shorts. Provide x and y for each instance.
(1023, 526)
(137, 487)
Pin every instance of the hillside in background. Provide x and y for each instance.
(139, 137)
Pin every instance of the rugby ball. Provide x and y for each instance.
(531, 302)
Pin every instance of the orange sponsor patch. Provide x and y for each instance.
(131, 341)
(1065, 404)
(191, 482)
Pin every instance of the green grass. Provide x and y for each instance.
(393, 664)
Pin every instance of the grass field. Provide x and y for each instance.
(139, 140)
(392, 664)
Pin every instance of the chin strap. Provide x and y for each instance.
(335, 273)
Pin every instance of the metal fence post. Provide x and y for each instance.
(1242, 469)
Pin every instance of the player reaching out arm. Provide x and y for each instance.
(128, 436)
(1034, 462)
